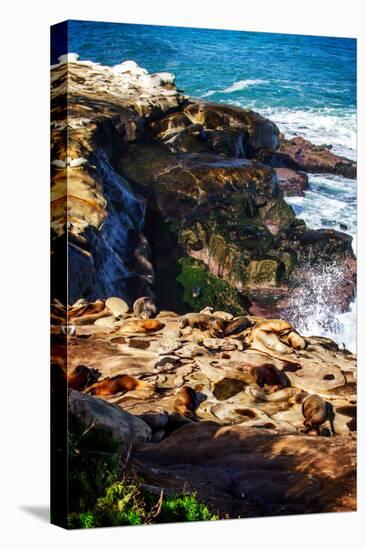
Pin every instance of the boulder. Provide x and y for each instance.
(123, 426)
(300, 154)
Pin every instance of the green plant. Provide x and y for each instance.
(103, 491)
(94, 463)
(184, 507)
(122, 504)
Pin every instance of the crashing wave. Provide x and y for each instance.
(314, 308)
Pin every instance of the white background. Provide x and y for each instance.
(24, 272)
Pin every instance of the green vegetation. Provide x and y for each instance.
(184, 508)
(214, 291)
(105, 491)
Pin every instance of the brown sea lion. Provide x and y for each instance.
(81, 377)
(269, 375)
(144, 308)
(214, 325)
(140, 326)
(237, 325)
(117, 384)
(275, 336)
(186, 402)
(316, 411)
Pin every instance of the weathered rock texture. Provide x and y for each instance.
(143, 177)
(124, 427)
(247, 452)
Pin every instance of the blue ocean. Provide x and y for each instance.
(305, 84)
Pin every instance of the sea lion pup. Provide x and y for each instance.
(316, 412)
(116, 384)
(269, 375)
(140, 326)
(237, 325)
(186, 402)
(81, 377)
(214, 325)
(144, 308)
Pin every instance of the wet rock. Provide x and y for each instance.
(292, 183)
(300, 154)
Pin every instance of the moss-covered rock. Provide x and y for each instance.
(211, 290)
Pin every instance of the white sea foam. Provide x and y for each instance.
(330, 203)
(336, 127)
(314, 309)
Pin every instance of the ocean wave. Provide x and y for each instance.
(336, 127)
(235, 87)
(242, 84)
(329, 203)
(314, 310)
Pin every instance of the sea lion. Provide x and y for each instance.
(316, 411)
(269, 336)
(202, 321)
(140, 326)
(294, 340)
(237, 325)
(269, 375)
(117, 307)
(144, 308)
(116, 384)
(81, 377)
(186, 402)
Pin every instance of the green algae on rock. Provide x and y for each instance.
(213, 291)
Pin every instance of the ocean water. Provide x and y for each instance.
(305, 84)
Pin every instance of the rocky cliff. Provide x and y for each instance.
(144, 178)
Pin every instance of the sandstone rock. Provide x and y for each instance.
(123, 426)
(277, 473)
(261, 133)
(109, 322)
(189, 350)
(218, 344)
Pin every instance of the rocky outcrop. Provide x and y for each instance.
(300, 154)
(96, 110)
(124, 427)
(143, 176)
(244, 449)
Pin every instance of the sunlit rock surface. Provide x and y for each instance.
(143, 176)
(247, 452)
